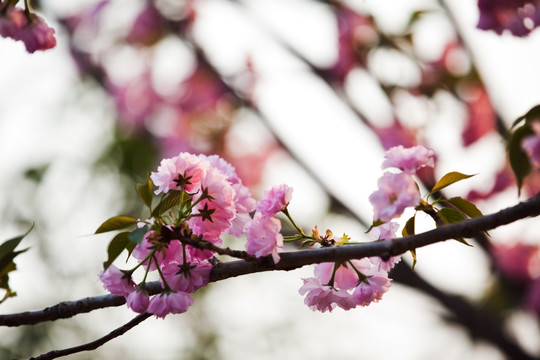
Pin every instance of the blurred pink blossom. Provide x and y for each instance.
(409, 160)
(531, 146)
(520, 17)
(514, 260)
(148, 27)
(31, 30)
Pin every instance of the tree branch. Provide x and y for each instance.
(296, 259)
(96, 343)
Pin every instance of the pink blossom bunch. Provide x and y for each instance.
(182, 279)
(212, 202)
(355, 283)
(520, 17)
(263, 231)
(29, 28)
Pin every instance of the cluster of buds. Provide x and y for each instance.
(22, 25)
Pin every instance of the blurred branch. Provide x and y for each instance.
(478, 323)
(297, 259)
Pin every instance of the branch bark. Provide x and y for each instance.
(297, 259)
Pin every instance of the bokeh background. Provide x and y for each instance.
(304, 92)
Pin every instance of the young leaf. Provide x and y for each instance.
(519, 161)
(115, 223)
(115, 248)
(449, 179)
(145, 192)
(467, 207)
(9, 246)
(170, 200)
(409, 227)
(451, 216)
(413, 253)
(137, 235)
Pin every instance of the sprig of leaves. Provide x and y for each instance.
(7, 265)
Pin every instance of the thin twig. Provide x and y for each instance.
(96, 343)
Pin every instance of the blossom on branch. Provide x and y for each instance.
(29, 28)
(275, 200)
(115, 281)
(169, 303)
(323, 297)
(396, 193)
(264, 237)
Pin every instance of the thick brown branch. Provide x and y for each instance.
(297, 259)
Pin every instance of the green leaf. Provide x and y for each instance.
(116, 223)
(519, 161)
(409, 227)
(8, 246)
(449, 179)
(413, 253)
(145, 192)
(137, 235)
(170, 200)
(465, 206)
(451, 216)
(115, 248)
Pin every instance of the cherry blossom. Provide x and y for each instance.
(409, 160)
(323, 297)
(137, 300)
(187, 277)
(182, 170)
(114, 280)
(396, 193)
(264, 237)
(169, 303)
(275, 200)
(372, 291)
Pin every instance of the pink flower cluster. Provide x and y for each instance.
(355, 283)
(213, 202)
(171, 302)
(398, 191)
(222, 202)
(31, 29)
(520, 17)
